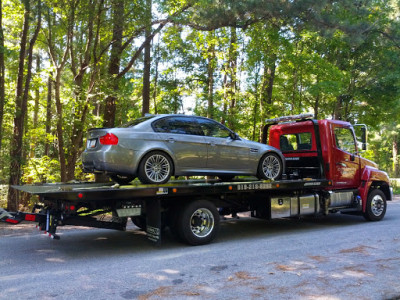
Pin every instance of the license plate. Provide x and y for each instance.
(91, 143)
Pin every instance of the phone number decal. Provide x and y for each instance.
(254, 186)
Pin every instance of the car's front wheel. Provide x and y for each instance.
(270, 167)
(155, 167)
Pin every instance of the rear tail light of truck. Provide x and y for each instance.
(109, 139)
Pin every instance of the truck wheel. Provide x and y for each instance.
(155, 167)
(270, 167)
(198, 222)
(376, 206)
(121, 179)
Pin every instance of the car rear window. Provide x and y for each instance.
(136, 122)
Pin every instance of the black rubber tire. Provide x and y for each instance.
(198, 222)
(275, 158)
(161, 157)
(122, 179)
(376, 206)
(139, 221)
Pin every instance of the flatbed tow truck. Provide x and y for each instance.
(324, 175)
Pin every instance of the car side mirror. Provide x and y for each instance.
(234, 136)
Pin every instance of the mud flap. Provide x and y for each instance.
(153, 220)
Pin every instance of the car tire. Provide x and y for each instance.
(155, 168)
(198, 222)
(122, 179)
(270, 167)
(376, 205)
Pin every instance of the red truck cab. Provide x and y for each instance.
(326, 149)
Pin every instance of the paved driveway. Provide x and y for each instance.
(337, 257)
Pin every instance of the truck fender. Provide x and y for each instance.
(372, 178)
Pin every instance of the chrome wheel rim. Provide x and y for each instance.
(157, 168)
(377, 205)
(271, 166)
(202, 222)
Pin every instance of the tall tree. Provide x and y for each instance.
(147, 60)
(2, 74)
(115, 61)
(21, 99)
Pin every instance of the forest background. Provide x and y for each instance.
(70, 65)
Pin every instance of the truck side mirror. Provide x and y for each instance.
(362, 130)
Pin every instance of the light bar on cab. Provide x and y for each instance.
(289, 118)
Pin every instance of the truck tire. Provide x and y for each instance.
(376, 206)
(198, 222)
(155, 168)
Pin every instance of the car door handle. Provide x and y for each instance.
(211, 143)
(170, 140)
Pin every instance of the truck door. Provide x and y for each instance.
(346, 159)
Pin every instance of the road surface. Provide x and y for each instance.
(335, 257)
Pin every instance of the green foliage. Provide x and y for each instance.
(335, 59)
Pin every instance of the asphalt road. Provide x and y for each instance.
(337, 257)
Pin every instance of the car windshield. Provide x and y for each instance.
(135, 122)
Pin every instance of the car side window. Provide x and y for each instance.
(345, 139)
(213, 129)
(178, 125)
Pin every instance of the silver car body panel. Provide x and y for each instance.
(191, 154)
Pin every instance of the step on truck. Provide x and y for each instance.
(325, 174)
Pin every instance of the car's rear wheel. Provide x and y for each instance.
(155, 167)
(270, 167)
(122, 179)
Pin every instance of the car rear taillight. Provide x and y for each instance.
(109, 139)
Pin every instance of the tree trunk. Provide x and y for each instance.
(267, 88)
(338, 112)
(2, 79)
(147, 62)
(60, 131)
(395, 152)
(155, 85)
(21, 103)
(48, 115)
(210, 77)
(233, 55)
(115, 61)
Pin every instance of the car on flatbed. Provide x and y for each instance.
(156, 147)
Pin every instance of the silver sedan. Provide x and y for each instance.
(154, 148)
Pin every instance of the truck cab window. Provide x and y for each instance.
(345, 139)
(296, 142)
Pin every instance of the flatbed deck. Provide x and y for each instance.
(82, 192)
